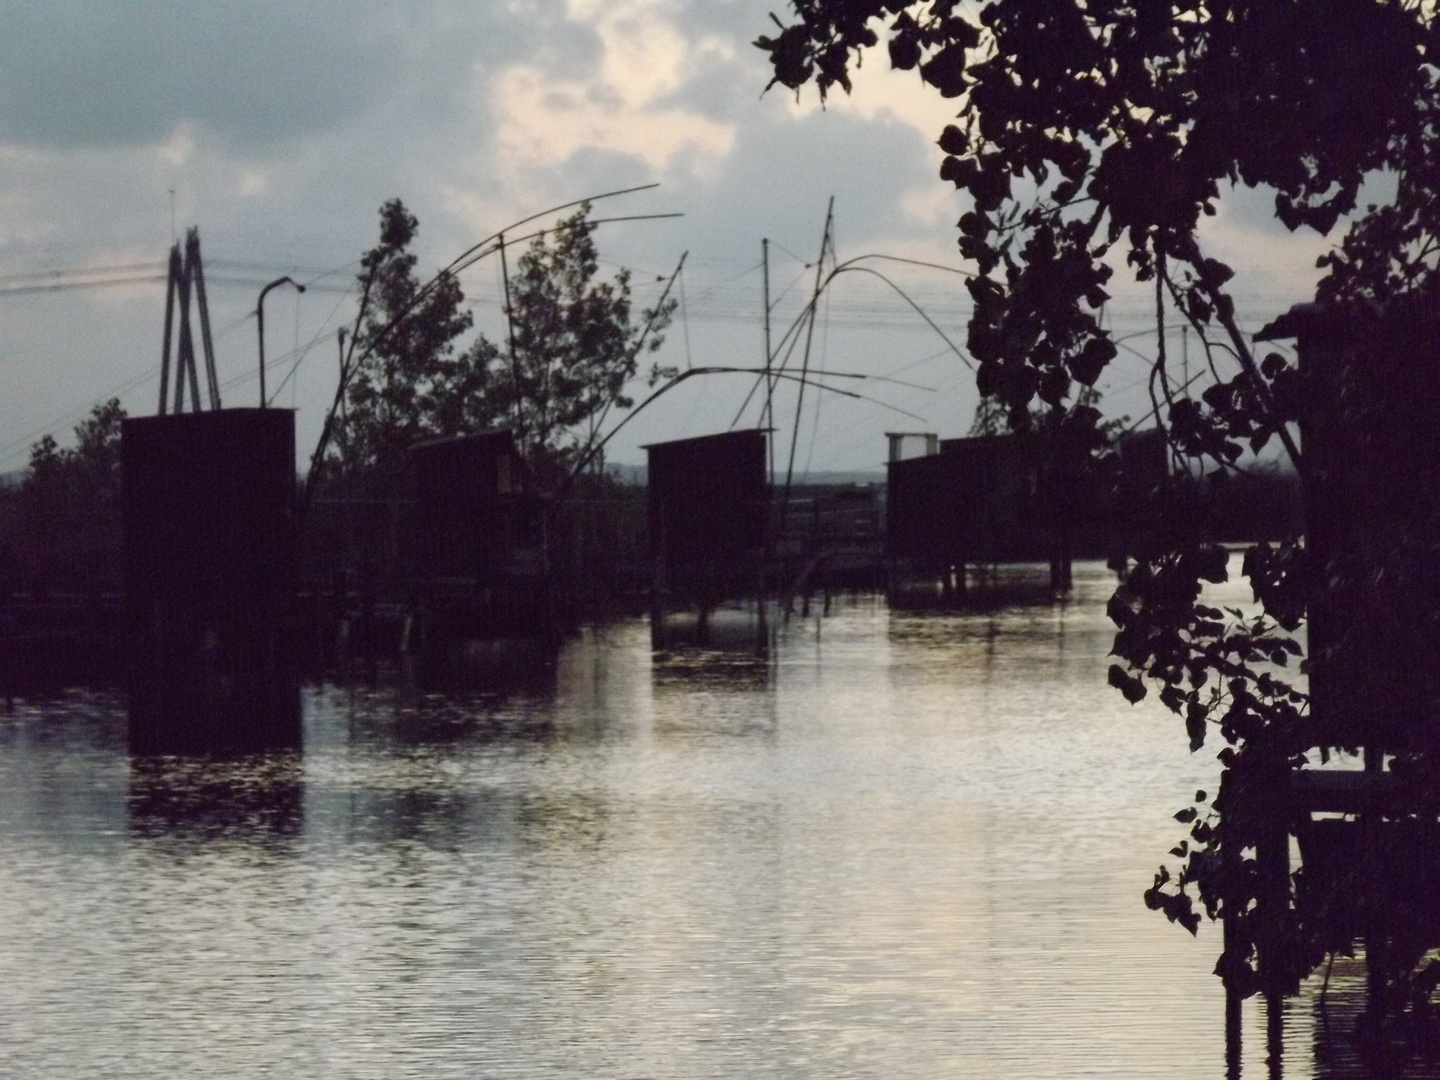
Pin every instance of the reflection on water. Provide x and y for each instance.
(905, 845)
(1325, 1024)
(259, 799)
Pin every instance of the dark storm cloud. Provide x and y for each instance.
(79, 74)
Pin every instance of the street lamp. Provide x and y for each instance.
(260, 324)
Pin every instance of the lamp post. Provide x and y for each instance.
(260, 325)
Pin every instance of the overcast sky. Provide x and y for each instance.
(280, 128)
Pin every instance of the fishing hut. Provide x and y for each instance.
(480, 566)
(210, 545)
(828, 538)
(1368, 838)
(709, 508)
(209, 536)
(963, 506)
(965, 503)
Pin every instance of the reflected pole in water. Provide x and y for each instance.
(1275, 1033)
(1232, 1020)
(1228, 958)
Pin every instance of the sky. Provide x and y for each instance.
(278, 129)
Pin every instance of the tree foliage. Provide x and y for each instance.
(1099, 129)
(1098, 134)
(405, 388)
(575, 347)
(64, 519)
(571, 350)
(79, 479)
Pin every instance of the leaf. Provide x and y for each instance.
(1091, 361)
(1272, 365)
(1127, 684)
(959, 171)
(1064, 192)
(954, 141)
(946, 71)
(789, 56)
(1195, 725)
(904, 51)
(991, 186)
(1187, 917)
(1213, 560)
(1215, 273)
(975, 224)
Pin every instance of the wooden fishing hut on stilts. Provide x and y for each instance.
(964, 505)
(1368, 838)
(480, 568)
(210, 557)
(709, 514)
(961, 508)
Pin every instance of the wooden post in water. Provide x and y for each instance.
(1233, 1032)
(1057, 505)
(1273, 856)
(659, 578)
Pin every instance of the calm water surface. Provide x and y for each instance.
(908, 846)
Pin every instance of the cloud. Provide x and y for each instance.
(282, 127)
(781, 173)
(77, 74)
(543, 121)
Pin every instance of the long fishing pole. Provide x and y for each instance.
(847, 267)
(690, 373)
(805, 362)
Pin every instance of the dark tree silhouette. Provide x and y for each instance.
(575, 347)
(574, 350)
(87, 473)
(404, 384)
(1095, 134)
(64, 519)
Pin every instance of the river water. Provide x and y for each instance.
(905, 846)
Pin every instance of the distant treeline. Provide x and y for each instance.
(60, 527)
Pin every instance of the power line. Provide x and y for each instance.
(66, 286)
(155, 265)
